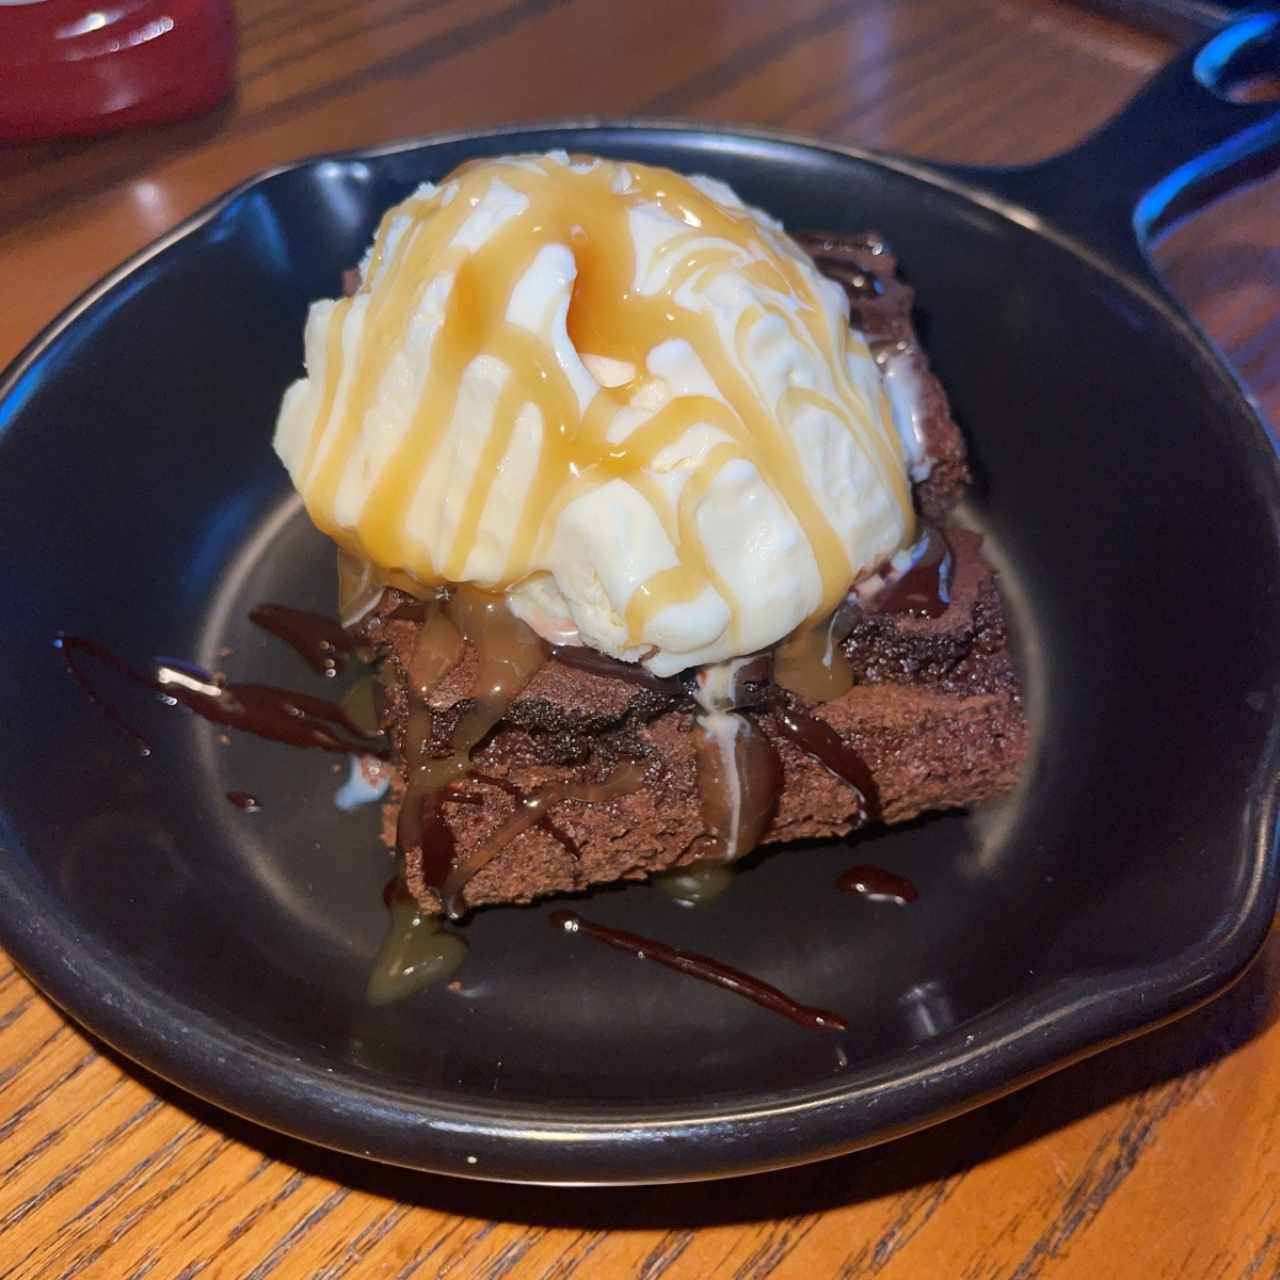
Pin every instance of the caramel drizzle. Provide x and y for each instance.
(533, 809)
(509, 654)
(607, 317)
(810, 661)
(739, 773)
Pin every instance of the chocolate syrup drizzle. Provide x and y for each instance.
(417, 950)
(878, 884)
(819, 740)
(533, 809)
(509, 655)
(601, 664)
(811, 664)
(739, 785)
(704, 968)
(280, 715)
(924, 590)
(320, 641)
(304, 720)
(838, 256)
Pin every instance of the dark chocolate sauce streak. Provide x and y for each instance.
(877, 882)
(829, 749)
(839, 256)
(280, 715)
(924, 591)
(601, 664)
(703, 968)
(409, 610)
(561, 836)
(738, 796)
(532, 810)
(70, 647)
(319, 641)
(522, 797)
(395, 890)
(243, 800)
(439, 848)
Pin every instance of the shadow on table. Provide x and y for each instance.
(1156, 1073)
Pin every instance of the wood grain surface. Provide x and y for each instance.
(1157, 1159)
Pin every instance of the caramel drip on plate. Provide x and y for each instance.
(694, 884)
(589, 210)
(416, 952)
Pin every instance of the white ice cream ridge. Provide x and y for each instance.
(617, 394)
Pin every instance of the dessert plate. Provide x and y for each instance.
(1128, 489)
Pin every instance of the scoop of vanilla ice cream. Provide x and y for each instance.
(617, 394)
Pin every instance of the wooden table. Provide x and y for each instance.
(1161, 1158)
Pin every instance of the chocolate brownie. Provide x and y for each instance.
(597, 772)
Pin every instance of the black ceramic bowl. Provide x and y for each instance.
(1128, 489)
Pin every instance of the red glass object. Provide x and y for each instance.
(68, 67)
